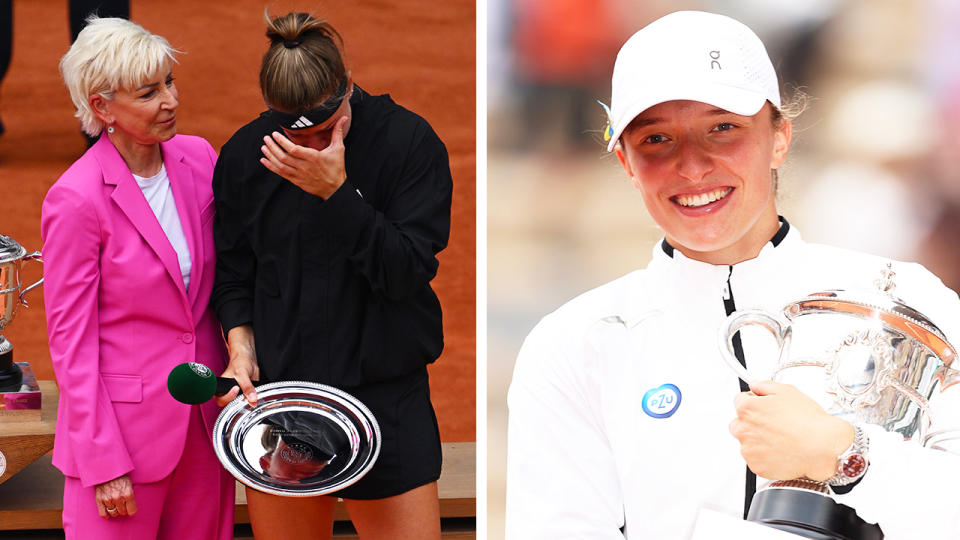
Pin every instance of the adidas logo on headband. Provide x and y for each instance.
(302, 122)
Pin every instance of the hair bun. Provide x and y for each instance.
(303, 63)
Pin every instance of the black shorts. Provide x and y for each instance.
(410, 438)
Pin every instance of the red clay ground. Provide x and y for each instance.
(421, 52)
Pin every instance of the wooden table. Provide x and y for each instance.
(31, 489)
(23, 442)
(33, 499)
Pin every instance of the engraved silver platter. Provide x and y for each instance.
(301, 439)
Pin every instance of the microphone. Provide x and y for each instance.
(193, 383)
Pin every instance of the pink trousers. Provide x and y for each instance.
(195, 502)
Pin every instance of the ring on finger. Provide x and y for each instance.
(112, 510)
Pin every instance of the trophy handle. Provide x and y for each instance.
(35, 256)
(948, 376)
(946, 438)
(943, 440)
(733, 324)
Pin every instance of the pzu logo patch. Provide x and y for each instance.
(662, 401)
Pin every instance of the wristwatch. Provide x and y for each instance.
(853, 462)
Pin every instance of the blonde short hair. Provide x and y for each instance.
(110, 54)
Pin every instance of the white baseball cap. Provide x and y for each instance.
(691, 55)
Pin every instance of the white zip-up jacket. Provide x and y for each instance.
(591, 456)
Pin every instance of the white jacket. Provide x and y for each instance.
(585, 460)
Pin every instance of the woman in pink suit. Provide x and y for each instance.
(129, 256)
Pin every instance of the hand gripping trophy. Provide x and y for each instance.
(866, 357)
(12, 258)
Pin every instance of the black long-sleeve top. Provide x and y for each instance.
(337, 290)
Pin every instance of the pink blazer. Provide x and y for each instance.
(118, 316)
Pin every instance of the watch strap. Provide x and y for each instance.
(843, 490)
(852, 464)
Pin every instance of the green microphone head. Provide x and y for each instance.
(191, 383)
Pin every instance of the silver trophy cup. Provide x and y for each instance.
(12, 258)
(866, 357)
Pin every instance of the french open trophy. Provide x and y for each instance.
(866, 357)
(12, 258)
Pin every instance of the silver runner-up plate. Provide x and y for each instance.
(301, 439)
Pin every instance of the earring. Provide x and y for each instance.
(109, 129)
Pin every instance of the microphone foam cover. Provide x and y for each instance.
(191, 383)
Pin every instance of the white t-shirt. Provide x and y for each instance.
(159, 196)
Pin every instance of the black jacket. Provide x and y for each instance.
(338, 290)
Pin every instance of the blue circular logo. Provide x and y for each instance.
(662, 401)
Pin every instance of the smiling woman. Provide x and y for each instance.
(624, 389)
(705, 176)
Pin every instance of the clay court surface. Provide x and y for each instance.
(421, 52)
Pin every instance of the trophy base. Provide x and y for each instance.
(810, 515)
(22, 402)
(11, 377)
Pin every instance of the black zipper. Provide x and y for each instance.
(730, 306)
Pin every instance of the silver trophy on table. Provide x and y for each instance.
(866, 357)
(12, 258)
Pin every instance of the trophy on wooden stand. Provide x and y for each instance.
(26, 425)
(12, 258)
